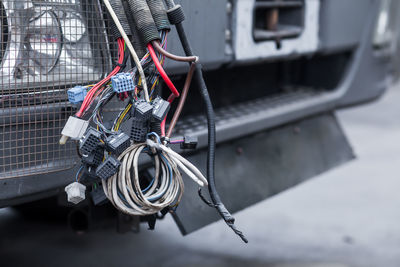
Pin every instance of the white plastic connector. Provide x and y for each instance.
(74, 129)
(75, 192)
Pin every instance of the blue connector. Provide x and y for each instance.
(122, 82)
(77, 94)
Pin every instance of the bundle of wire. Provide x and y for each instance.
(164, 190)
(105, 95)
(96, 89)
(124, 188)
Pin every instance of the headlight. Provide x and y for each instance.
(50, 42)
(46, 47)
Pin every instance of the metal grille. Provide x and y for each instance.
(46, 48)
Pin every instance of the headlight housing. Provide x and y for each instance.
(46, 47)
(50, 42)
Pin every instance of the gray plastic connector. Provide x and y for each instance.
(74, 129)
(75, 192)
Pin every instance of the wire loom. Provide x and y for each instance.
(163, 191)
(128, 192)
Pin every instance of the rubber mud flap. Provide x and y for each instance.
(253, 168)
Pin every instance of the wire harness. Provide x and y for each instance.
(125, 189)
(110, 149)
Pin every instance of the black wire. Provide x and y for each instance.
(205, 200)
(98, 110)
(123, 64)
(225, 214)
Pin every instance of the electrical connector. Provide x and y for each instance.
(141, 115)
(189, 142)
(160, 108)
(89, 141)
(75, 192)
(74, 129)
(95, 157)
(108, 168)
(117, 144)
(89, 174)
(98, 196)
(143, 110)
(77, 94)
(139, 130)
(122, 82)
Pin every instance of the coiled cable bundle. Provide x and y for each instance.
(124, 189)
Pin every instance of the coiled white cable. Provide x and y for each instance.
(126, 193)
(183, 163)
(130, 47)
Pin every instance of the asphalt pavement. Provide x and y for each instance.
(349, 216)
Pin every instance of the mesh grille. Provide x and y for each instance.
(46, 48)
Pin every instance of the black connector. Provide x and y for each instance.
(95, 157)
(89, 141)
(141, 116)
(89, 174)
(160, 109)
(117, 144)
(189, 142)
(139, 130)
(155, 127)
(142, 110)
(98, 196)
(108, 168)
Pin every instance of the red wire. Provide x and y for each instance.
(162, 72)
(121, 44)
(89, 97)
(166, 79)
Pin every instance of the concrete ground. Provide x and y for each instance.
(347, 217)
